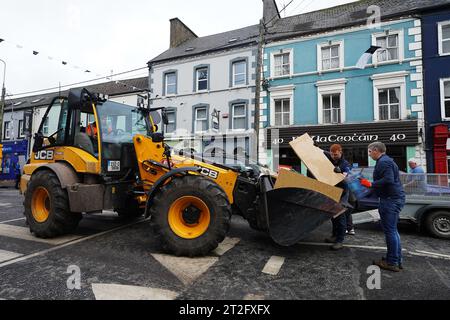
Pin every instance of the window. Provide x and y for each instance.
(389, 95)
(330, 57)
(21, 135)
(282, 64)
(282, 112)
(202, 78)
(201, 119)
(389, 48)
(170, 81)
(239, 73)
(172, 117)
(239, 116)
(7, 131)
(45, 127)
(444, 37)
(445, 98)
(331, 108)
(391, 43)
(389, 104)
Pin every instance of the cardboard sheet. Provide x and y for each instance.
(316, 161)
(290, 179)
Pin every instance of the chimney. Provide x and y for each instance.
(270, 12)
(179, 33)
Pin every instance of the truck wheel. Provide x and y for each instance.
(47, 207)
(190, 216)
(438, 224)
(131, 211)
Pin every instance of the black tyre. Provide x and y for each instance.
(190, 216)
(438, 224)
(131, 211)
(47, 207)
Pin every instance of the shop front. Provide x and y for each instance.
(401, 138)
(441, 148)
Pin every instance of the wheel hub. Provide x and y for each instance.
(191, 215)
(442, 225)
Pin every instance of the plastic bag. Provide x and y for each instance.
(353, 183)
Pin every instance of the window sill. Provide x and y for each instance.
(287, 76)
(444, 54)
(331, 70)
(384, 63)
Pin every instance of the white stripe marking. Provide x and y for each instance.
(226, 245)
(273, 266)
(13, 220)
(41, 253)
(121, 292)
(253, 297)
(7, 255)
(5, 204)
(430, 254)
(23, 233)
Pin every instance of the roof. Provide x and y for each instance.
(221, 41)
(112, 88)
(350, 14)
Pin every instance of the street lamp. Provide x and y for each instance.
(2, 105)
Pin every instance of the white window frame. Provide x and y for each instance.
(401, 46)
(235, 74)
(278, 93)
(442, 91)
(233, 117)
(197, 73)
(386, 81)
(291, 62)
(196, 119)
(20, 133)
(441, 47)
(330, 87)
(171, 122)
(166, 75)
(324, 45)
(7, 130)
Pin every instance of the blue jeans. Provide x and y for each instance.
(389, 213)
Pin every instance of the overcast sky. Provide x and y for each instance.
(105, 36)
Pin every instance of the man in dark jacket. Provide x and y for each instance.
(389, 189)
(340, 223)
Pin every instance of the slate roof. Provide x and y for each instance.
(350, 14)
(108, 88)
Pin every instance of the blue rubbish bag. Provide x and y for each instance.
(354, 184)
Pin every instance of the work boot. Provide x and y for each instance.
(385, 266)
(331, 240)
(337, 246)
(400, 266)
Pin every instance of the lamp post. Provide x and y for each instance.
(2, 103)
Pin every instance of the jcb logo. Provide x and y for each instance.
(209, 173)
(44, 155)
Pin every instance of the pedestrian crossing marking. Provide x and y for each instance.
(23, 233)
(127, 293)
(226, 245)
(273, 266)
(7, 255)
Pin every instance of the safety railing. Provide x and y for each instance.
(430, 185)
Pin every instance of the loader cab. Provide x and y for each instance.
(98, 130)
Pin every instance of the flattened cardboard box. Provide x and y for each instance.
(316, 161)
(290, 179)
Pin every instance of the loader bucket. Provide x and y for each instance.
(293, 213)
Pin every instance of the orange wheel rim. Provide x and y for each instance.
(189, 217)
(40, 205)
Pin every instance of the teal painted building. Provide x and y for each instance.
(312, 85)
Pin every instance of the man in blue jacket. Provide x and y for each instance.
(389, 189)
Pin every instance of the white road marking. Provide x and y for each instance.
(273, 266)
(226, 245)
(5, 204)
(43, 252)
(23, 233)
(187, 270)
(122, 292)
(430, 254)
(253, 297)
(8, 255)
(13, 220)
